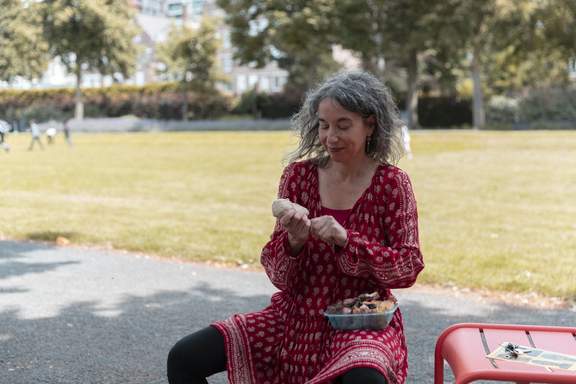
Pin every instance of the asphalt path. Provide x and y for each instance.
(76, 315)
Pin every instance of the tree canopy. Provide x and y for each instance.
(23, 51)
(295, 34)
(92, 35)
(501, 45)
(189, 55)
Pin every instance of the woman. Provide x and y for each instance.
(361, 235)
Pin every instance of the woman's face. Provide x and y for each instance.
(342, 133)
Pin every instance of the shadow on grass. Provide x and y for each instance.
(12, 249)
(51, 236)
(128, 341)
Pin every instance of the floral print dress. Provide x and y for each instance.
(290, 341)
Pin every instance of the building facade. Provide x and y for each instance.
(240, 78)
(155, 19)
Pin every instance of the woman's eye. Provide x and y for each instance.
(323, 126)
(344, 126)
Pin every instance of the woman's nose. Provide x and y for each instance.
(332, 135)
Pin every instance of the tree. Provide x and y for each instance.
(555, 20)
(23, 51)
(496, 36)
(517, 73)
(387, 33)
(190, 57)
(295, 34)
(90, 35)
(504, 41)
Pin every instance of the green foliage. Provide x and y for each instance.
(268, 105)
(556, 20)
(249, 103)
(118, 52)
(521, 43)
(549, 105)
(91, 34)
(530, 48)
(502, 110)
(444, 112)
(155, 101)
(297, 35)
(23, 51)
(388, 29)
(190, 56)
(548, 108)
(507, 73)
(395, 32)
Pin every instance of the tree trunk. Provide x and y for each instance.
(478, 97)
(79, 110)
(369, 64)
(412, 94)
(184, 108)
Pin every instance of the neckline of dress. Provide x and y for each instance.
(356, 204)
(326, 209)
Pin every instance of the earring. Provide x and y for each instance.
(368, 143)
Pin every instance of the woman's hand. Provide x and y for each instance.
(297, 224)
(327, 229)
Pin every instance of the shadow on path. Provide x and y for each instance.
(127, 342)
(10, 266)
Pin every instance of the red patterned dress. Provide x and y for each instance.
(290, 341)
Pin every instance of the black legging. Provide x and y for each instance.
(202, 354)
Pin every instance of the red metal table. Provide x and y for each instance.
(464, 346)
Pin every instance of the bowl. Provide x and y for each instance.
(345, 321)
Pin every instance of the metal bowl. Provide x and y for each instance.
(346, 321)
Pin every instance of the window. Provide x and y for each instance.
(227, 63)
(265, 84)
(226, 44)
(572, 68)
(241, 84)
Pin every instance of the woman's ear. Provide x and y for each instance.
(370, 123)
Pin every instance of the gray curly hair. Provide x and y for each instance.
(358, 92)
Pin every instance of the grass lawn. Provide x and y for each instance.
(497, 209)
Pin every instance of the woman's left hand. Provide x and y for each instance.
(327, 229)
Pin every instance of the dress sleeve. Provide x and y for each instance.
(397, 261)
(276, 258)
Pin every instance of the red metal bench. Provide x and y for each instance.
(464, 346)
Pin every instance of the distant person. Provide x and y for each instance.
(35, 132)
(4, 129)
(66, 131)
(50, 135)
(355, 232)
(406, 142)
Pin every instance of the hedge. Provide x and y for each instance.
(551, 104)
(433, 112)
(155, 101)
(439, 112)
(279, 105)
(546, 108)
(163, 101)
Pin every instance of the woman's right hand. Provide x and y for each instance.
(297, 224)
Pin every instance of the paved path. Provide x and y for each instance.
(73, 315)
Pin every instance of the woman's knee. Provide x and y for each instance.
(177, 358)
(199, 354)
(363, 376)
(176, 354)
